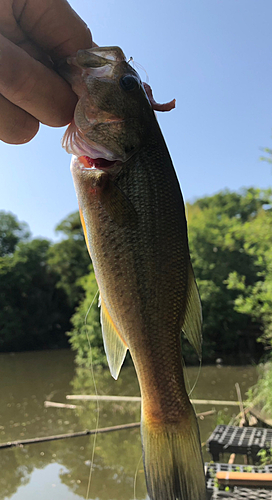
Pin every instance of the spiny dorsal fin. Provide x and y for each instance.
(192, 325)
(115, 347)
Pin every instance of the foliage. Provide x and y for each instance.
(265, 456)
(39, 285)
(228, 233)
(222, 417)
(85, 336)
(267, 158)
(33, 313)
(69, 259)
(11, 232)
(71, 227)
(255, 298)
(260, 394)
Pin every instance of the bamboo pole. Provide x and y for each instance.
(49, 404)
(136, 399)
(102, 430)
(242, 419)
(87, 432)
(83, 397)
(242, 409)
(204, 414)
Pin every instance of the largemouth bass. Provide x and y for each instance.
(133, 217)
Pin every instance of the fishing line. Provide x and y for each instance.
(135, 477)
(138, 66)
(96, 393)
(197, 377)
(191, 389)
(185, 374)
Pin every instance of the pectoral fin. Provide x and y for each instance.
(114, 345)
(118, 206)
(192, 325)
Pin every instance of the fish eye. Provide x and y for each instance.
(128, 82)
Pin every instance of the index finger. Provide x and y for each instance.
(53, 25)
(33, 87)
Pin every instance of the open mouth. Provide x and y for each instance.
(96, 163)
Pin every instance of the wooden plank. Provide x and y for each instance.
(229, 478)
(83, 397)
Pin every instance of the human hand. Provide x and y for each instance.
(33, 35)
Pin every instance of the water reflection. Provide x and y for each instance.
(61, 469)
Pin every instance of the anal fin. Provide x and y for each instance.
(114, 345)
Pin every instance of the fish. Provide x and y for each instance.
(133, 218)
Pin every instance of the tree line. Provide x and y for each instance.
(46, 289)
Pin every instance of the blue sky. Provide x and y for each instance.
(213, 56)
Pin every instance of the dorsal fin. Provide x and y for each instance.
(114, 345)
(192, 324)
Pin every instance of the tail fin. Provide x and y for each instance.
(173, 462)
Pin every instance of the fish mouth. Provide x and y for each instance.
(88, 163)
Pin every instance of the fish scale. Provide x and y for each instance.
(134, 223)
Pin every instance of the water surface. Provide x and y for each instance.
(60, 470)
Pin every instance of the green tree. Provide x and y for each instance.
(71, 227)
(11, 232)
(220, 250)
(267, 151)
(255, 298)
(86, 336)
(69, 259)
(39, 283)
(33, 313)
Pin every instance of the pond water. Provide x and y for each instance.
(60, 470)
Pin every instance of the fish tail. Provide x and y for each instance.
(172, 461)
